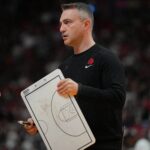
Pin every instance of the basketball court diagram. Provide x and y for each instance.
(64, 115)
(58, 119)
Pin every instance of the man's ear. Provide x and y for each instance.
(87, 24)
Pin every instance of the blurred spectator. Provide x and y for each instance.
(142, 144)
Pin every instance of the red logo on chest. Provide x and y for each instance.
(91, 61)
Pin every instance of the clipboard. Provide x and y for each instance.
(59, 120)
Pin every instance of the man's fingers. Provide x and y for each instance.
(61, 82)
(67, 87)
(64, 91)
(32, 131)
(30, 120)
(62, 86)
(28, 126)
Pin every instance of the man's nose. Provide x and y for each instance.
(62, 28)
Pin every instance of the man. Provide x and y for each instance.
(94, 76)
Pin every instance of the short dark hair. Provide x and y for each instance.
(81, 7)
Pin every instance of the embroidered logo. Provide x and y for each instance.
(90, 63)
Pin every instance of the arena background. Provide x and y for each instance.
(31, 47)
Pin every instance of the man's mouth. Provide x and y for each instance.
(64, 36)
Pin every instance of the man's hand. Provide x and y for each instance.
(67, 87)
(30, 127)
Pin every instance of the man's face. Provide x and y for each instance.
(71, 27)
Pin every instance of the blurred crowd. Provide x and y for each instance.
(31, 47)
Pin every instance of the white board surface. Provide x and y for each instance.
(59, 119)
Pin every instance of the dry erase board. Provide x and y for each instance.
(59, 119)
